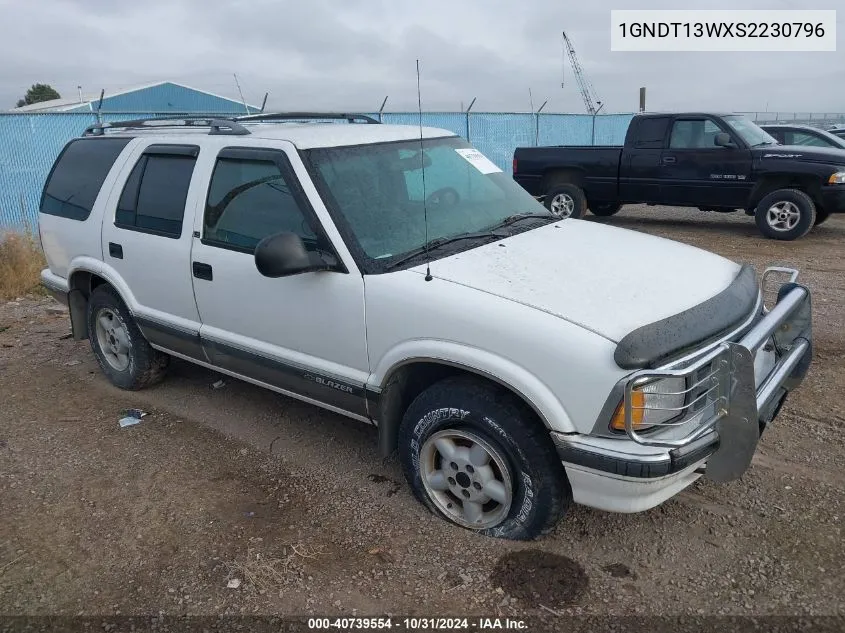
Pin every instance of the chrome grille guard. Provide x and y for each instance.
(720, 391)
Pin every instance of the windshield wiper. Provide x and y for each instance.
(518, 217)
(765, 143)
(443, 241)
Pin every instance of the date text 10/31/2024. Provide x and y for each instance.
(417, 624)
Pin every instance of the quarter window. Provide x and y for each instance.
(694, 134)
(154, 196)
(250, 199)
(78, 175)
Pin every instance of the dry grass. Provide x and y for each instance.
(271, 573)
(21, 262)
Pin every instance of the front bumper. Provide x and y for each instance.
(726, 409)
(833, 198)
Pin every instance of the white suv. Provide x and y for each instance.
(517, 361)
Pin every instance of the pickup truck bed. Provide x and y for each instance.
(713, 162)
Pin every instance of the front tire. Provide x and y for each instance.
(605, 210)
(566, 201)
(821, 216)
(479, 458)
(124, 355)
(785, 214)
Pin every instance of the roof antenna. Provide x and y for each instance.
(428, 276)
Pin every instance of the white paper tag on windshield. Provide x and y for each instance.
(478, 160)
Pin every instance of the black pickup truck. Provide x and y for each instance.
(710, 161)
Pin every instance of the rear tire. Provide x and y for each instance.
(605, 210)
(785, 214)
(124, 355)
(566, 201)
(462, 438)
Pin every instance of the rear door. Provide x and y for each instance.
(303, 334)
(640, 171)
(694, 171)
(147, 242)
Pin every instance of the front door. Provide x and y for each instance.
(696, 172)
(303, 334)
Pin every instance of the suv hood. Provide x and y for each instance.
(827, 155)
(608, 280)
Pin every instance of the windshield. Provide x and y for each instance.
(749, 131)
(376, 194)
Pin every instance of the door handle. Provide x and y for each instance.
(115, 250)
(203, 271)
(669, 160)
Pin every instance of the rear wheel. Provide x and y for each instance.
(605, 210)
(566, 201)
(785, 214)
(480, 459)
(124, 355)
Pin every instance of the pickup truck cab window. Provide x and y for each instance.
(375, 194)
(248, 200)
(651, 133)
(694, 134)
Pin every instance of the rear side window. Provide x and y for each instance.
(651, 133)
(78, 175)
(154, 196)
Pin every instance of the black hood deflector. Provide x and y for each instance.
(652, 344)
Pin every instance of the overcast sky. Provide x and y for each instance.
(349, 54)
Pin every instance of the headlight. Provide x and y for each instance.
(654, 402)
(837, 179)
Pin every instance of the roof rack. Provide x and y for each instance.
(216, 126)
(299, 116)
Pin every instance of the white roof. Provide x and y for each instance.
(302, 135)
(62, 105)
(306, 136)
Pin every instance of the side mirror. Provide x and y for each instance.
(284, 254)
(723, 139)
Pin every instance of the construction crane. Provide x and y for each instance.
(588, 93)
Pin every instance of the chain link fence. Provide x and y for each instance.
(29, 143)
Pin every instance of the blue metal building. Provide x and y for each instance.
(161, 97)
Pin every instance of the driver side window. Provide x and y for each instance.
(248, 200)
(694, 134)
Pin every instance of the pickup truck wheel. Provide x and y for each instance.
(785, 214)
(566, 201)
(124, 355)
(483, 461)
(604, 210)
(821, 216)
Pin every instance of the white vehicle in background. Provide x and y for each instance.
(518, 362)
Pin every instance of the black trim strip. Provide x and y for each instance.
(650, 345)
(679, 459)
(175, 339)
(331, 390)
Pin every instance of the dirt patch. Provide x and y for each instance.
(536, 577)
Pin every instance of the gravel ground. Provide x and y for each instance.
(241, 486)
